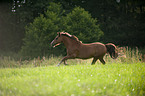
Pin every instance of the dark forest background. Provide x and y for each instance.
(122, 21)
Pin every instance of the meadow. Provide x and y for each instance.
(124, 76)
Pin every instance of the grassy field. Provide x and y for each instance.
(74, 80)
(124, 76)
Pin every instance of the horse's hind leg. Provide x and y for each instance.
(94, 61)
(102, 61)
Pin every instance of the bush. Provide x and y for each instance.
(80, 23)
(42, 31)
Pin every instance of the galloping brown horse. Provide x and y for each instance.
(76, 49)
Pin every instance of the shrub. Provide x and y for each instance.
(80, 23)
(40, 33)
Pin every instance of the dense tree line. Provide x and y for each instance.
(122, 21)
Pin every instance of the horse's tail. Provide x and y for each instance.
(112, 50)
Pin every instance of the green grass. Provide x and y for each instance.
(74, 80)
(124, 76)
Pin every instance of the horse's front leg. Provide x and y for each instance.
(65, 63)
(64, 60)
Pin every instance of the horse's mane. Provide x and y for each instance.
(70, 36)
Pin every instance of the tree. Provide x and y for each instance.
(122, 21)
(40, 33)
(11, 30)
(80, 23)
(44, 28)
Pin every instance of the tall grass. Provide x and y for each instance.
(126, 55)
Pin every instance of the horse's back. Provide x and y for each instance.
(96, 45)
(92, 50)
(100, 48)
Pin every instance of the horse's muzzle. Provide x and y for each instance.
(52, 43)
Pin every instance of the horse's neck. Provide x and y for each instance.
(69, 42)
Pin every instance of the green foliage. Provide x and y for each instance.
(122, 21)
(44, 28)
(80, 23)
(40, 33)
(11, 29)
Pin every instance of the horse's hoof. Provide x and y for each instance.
(57, 65)
(66, 64)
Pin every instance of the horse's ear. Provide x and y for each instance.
(58, 33)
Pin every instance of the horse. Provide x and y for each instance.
(77, 49)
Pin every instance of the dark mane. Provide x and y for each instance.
(70, 36)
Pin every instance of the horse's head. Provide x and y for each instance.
(58, 39)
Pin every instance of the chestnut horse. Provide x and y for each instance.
(76, 49)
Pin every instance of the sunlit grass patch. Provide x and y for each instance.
(83, 80)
